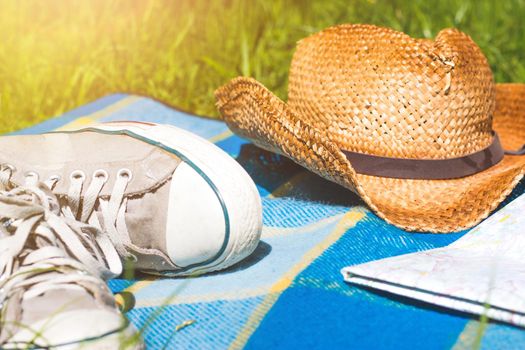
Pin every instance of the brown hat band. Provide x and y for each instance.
(429, 169)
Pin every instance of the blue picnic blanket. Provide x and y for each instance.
(290, 292)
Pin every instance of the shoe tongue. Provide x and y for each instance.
(64, 153)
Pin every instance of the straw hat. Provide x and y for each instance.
(410, 125)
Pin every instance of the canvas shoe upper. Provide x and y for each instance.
(52, 269)
(169, 200)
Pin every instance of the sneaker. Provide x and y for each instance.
(170, 201)
(52, 294)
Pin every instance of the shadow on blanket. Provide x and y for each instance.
(281, 177)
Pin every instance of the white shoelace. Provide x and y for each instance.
(38, 236)
(82, 207)
(113, 209)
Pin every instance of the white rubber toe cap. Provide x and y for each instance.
(196, 226)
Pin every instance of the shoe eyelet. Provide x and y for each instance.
(132, 257)
(31, 174)
(52, 181)
(55, 178)
(77, 175)
(6, 224)
(101, 174)
(125, 173)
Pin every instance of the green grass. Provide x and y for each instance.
(56, 55)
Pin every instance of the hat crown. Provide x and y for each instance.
(378, 91)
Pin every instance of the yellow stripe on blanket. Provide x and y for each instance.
(95, 117)
(349, 220)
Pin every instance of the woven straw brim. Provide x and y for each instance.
(439, 206)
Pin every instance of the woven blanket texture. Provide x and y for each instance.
(290, 292)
